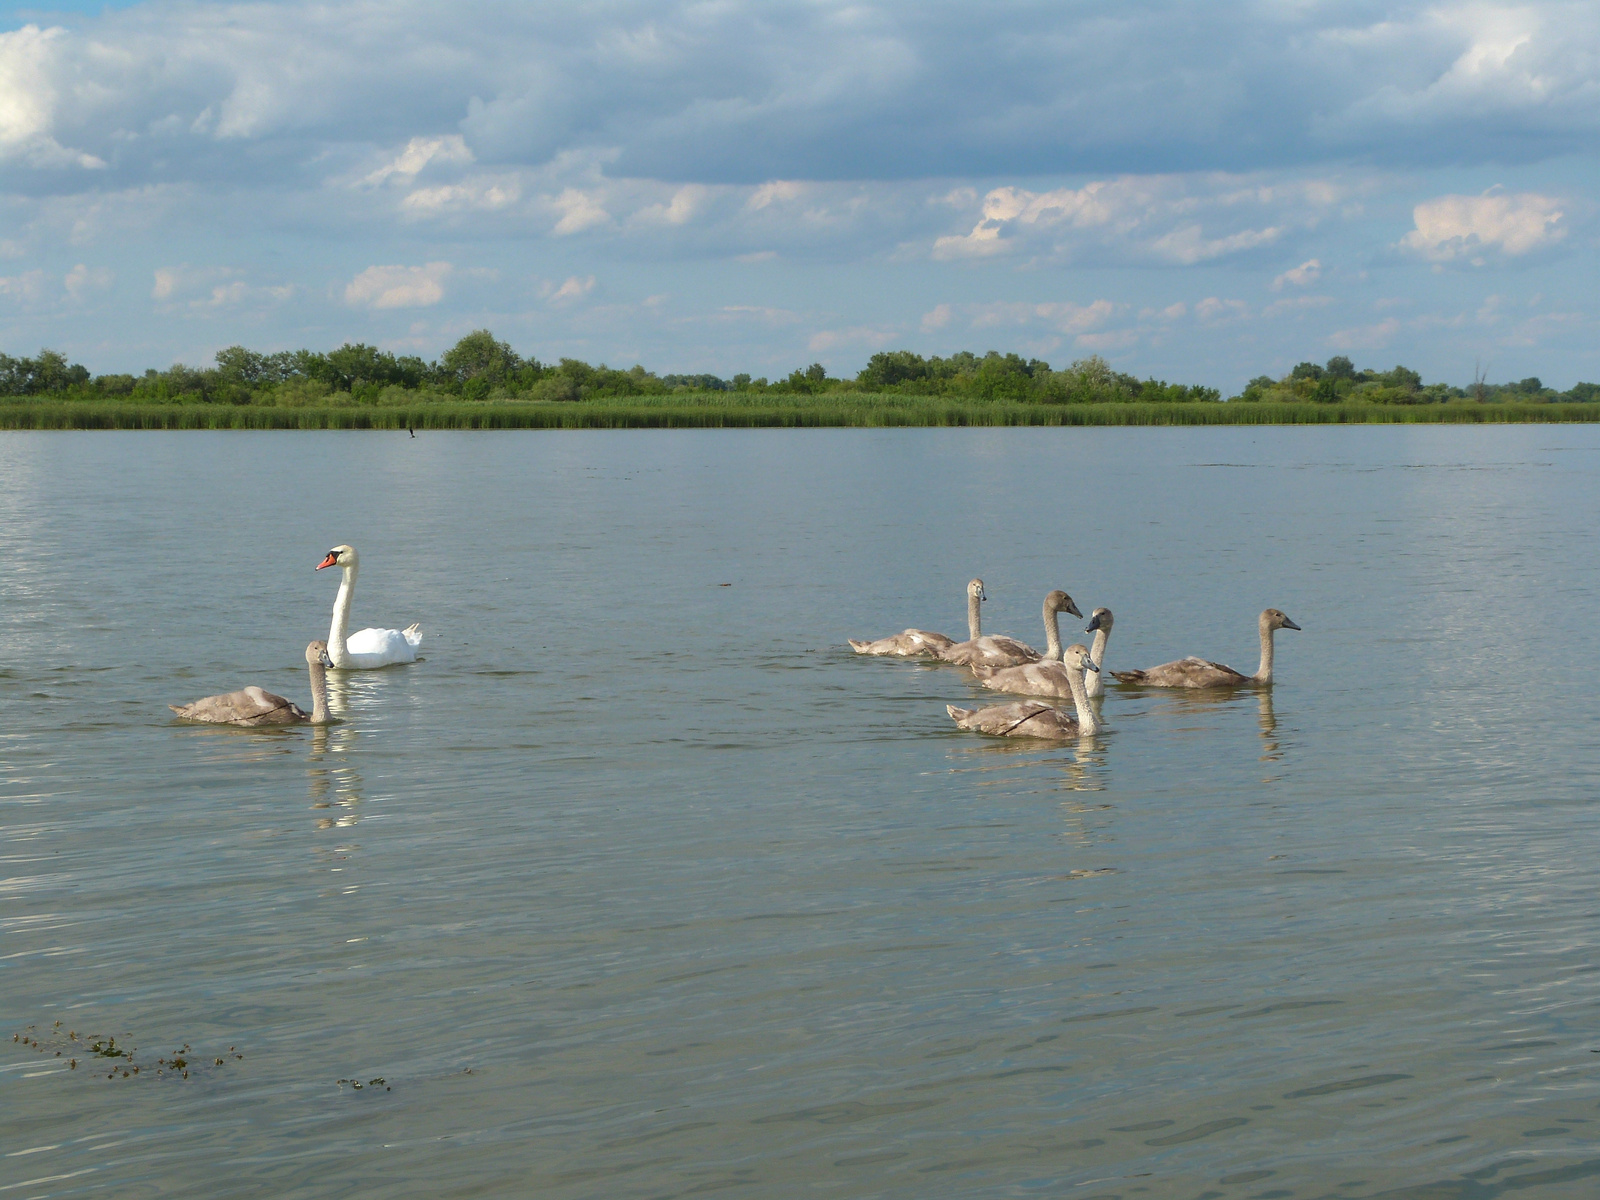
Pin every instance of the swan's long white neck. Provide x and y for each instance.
(341, 617)
(1094, 685)
(1088, 723)
(319, 694)
(974, 618)
(1052, 633)
(1264, 673)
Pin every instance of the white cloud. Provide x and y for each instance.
(569, 291)
(398, 286)
(196, 290)
(683, 205)
(482, 195)
(27, 287)
(81, 280)
(1124, 203)
(419, 152)
(1304, 275)
(772, 193)
(579, 211)
(28, 100)
(173, 284)
(1213, 310)
(1150, 218)
(1189, 245)
(1452, 227)
(794, 90)
(936, 318)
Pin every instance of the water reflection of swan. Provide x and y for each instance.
(1008, 652)
(1268, 721)
(334, 783)
(1194, 672)
(1084, 770)
(918, 643)
(1032, 719)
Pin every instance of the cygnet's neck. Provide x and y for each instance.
(974, 618)
(1264, 672)
(1095, 685)
(341, 617)
(1052, 632)
(319, 694)
(1088, 723)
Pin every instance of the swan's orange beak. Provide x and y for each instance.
(331, 561)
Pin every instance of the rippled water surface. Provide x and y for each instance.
(643, 885)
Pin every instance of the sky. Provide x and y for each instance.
(1199, 192)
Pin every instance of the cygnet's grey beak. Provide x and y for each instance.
(326, 661)
(1073, 609)
(1094, 623)
(1088, 665)
(1288, 624)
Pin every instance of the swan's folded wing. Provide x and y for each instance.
(378, 647)
(991, 652)
(1185, 672)
(251, 706)
(1017, 719)
(912, 643)
(1045, 678)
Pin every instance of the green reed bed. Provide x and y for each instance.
(725, 410)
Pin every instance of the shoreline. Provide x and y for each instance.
(859, 411)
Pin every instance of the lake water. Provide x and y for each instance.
(643, 885)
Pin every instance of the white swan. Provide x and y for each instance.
(920, 643)
(1030, 718)
(366, 647)
(1201, 673)
(1003, 651)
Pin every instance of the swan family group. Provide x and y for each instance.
(366, 648)
(1074, 673)
(1001, 663)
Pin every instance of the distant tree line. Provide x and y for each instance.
(480, 367)
(1338, 380)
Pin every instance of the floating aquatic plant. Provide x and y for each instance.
(176, 1065)
(371, 1083)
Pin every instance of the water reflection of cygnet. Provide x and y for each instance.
(1083, 766)
(335, 784)
(1269, 728)
(1079, 765)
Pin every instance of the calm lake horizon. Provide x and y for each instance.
(641, 884)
